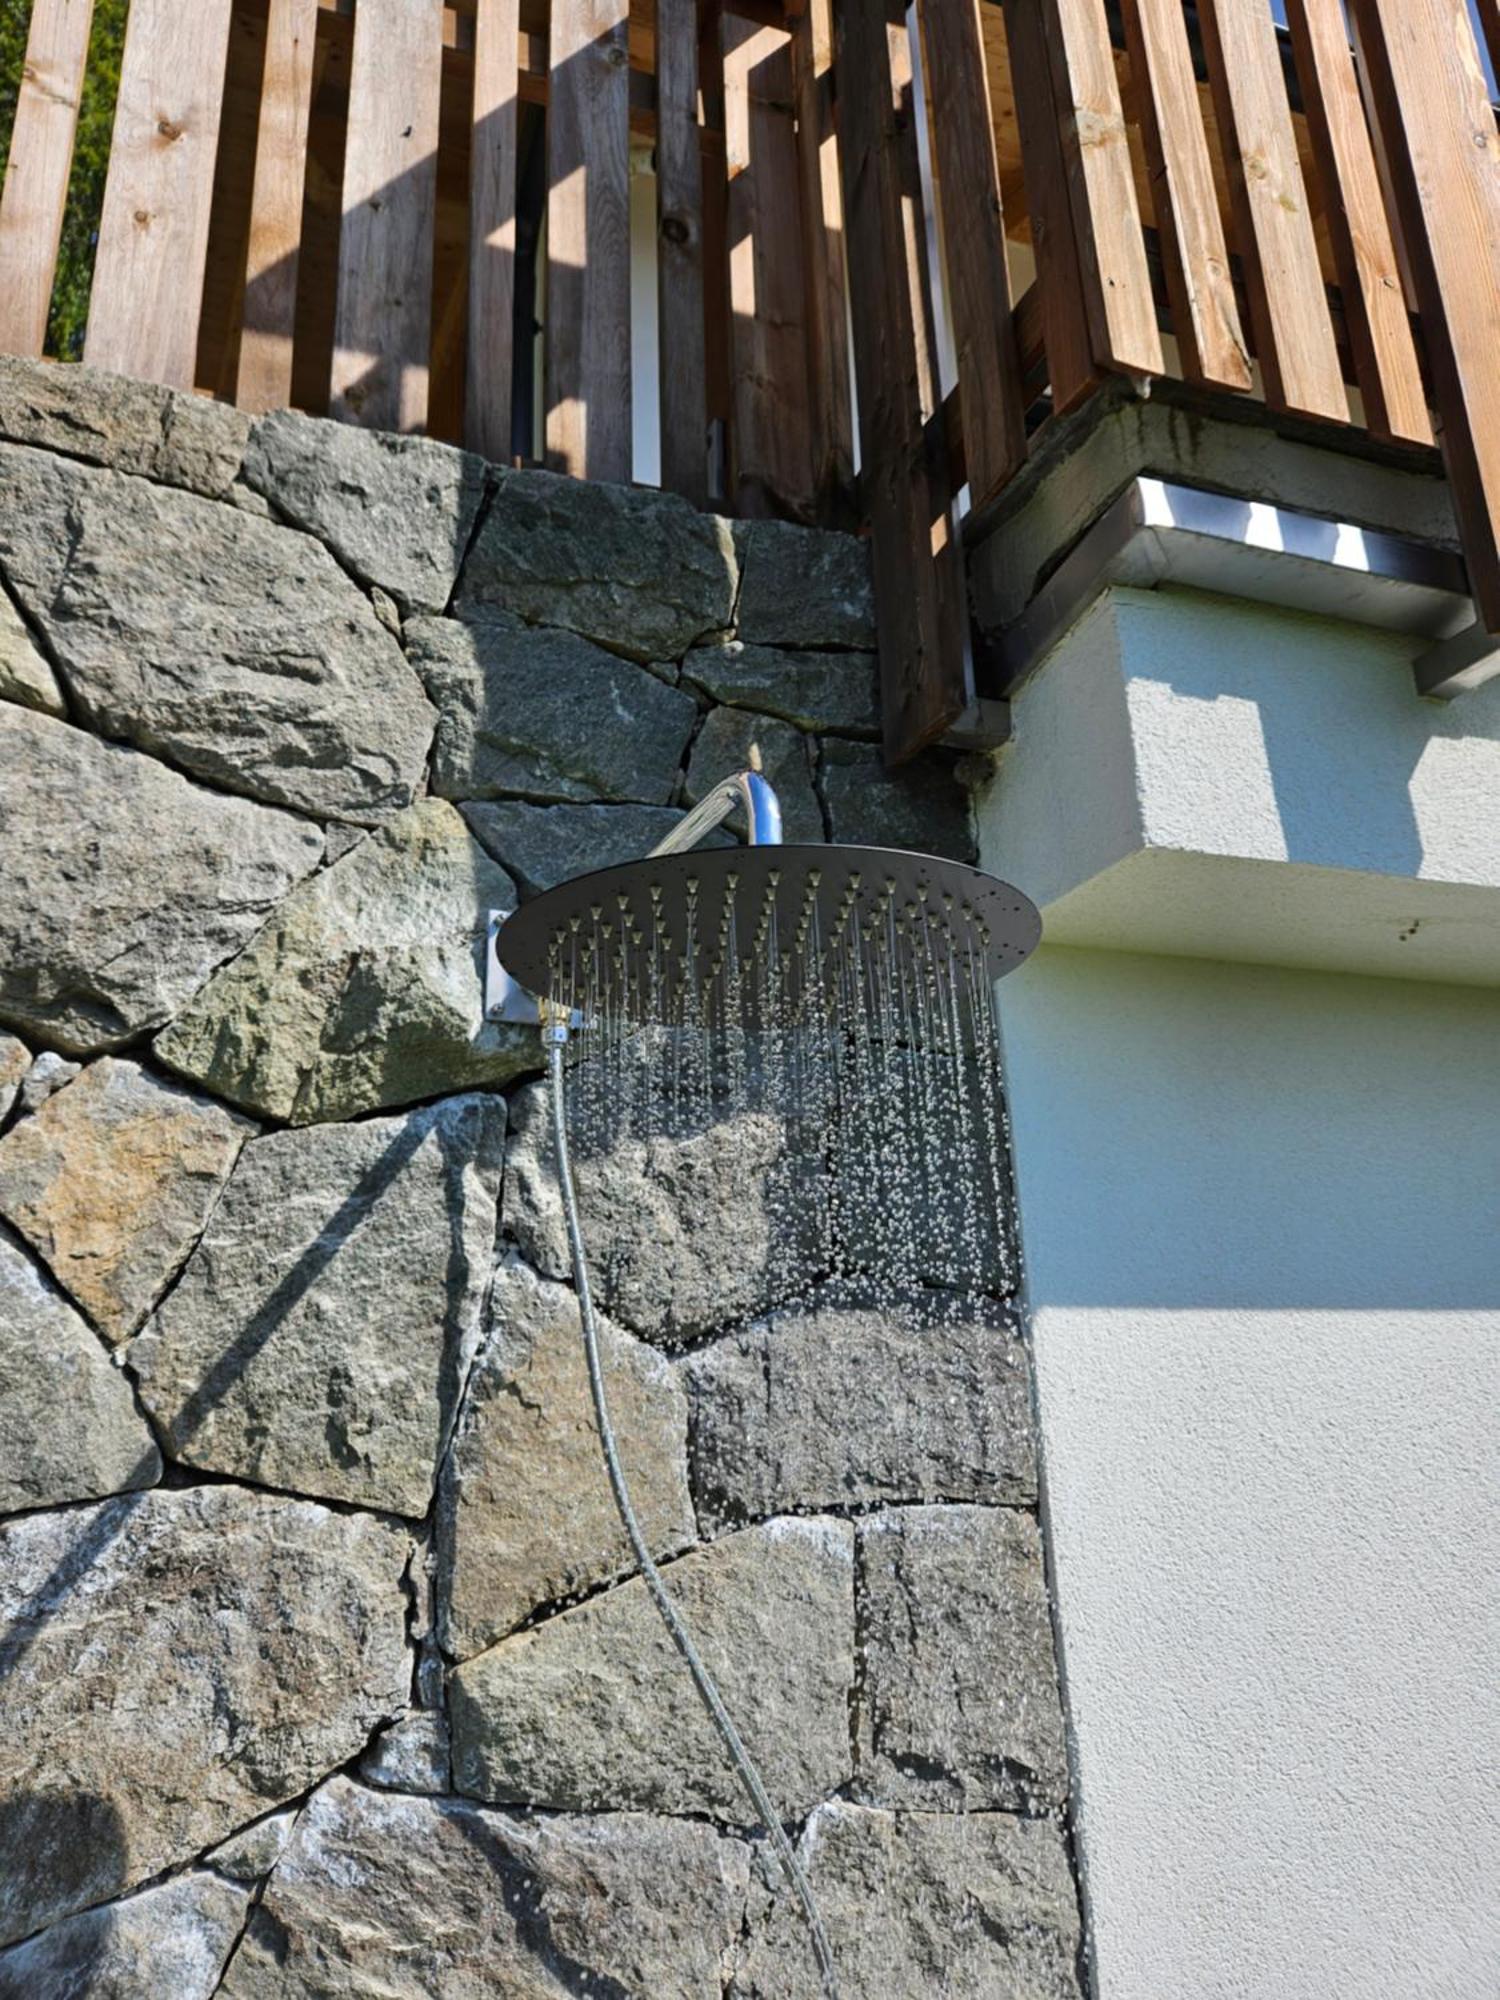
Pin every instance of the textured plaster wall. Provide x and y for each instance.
(1259, 1219)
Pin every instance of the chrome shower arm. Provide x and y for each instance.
(746, 788)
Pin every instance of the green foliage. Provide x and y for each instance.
(96, 117)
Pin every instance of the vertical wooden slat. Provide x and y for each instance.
(679, 254)
(1293, 329)
(823, 259)
(492, 229)
(1069, 346)
(989, 367)
(913, 206)
(920, 621)
(1444, 156)
(153, 231)
(1195, 255)
(264, 380)
(36, 174)
(588, 241)
(1380, 335)
(383, 329)
(768, 334)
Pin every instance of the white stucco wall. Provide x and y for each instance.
(1261, 1221)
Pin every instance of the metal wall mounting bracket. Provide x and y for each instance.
(505, 998)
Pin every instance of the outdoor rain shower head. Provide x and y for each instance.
(842, 993)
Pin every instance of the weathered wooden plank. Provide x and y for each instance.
(588, 241)
(1294, 343)
(153, 229)
(1066, 338)
(768, 335)
(1375, 314)
(383, 328)
(922, 666)
(1444, 157)
(681, 352)
(1101, 187)
(989, 369)
(36, 174)
(492, 229)
(832, 424)
(1205, 317)
(913, 206)
(264, 380)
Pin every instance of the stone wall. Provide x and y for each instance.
(323, 1668)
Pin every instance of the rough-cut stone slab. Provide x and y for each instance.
(595, 1708)
(544, 845)
(320, 1334)
(112, 1181)
(959, 1706)
(642, 573)
(921, 807)
(846, 1404)
(685, 1235)
(25, 676)
(69, 1428)
(803, 587)
(976, 1907)
(250, 1856)
(368, 988)
(839, 691)
(112, 420)
(527, 1514)
(234, 647)
(411, 1756)
(15, 1062)
(396, 511)
(413, 1899)
(122, 886)
(723, 747)
(177, 1663)
(529, 713)
(171, 1941)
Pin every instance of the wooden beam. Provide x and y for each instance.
(1364, 249)
(1294, 343)
(36, 175)
(682, 364)
(1205, 317)
(1438, 125)
(588, 428)
(383, 332)
(989, 369)
(147, 294)
(264, 379)
(492, 230)
(831, 408)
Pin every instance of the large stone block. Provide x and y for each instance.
(419, 1898)
(368, 988)
(851, 1404)
(837, 691)
(803, 587)
(544, 845)
(69, 1428)
(527, 1515)
(529, 713)
(115, 421)
(112, 1181)
(235, 648)
(723, 747)
(686, 1235)
(321, 1332)
(958, 1708)
(921, 807)
(972, 1907)
(396, 511)
(25, 676)
(642, 573)
(594, 1709)
(122, 886)
(175, 1664)
(172, 1941)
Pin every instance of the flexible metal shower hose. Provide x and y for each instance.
(739, 1756)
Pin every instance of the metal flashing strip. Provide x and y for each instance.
(1157, 531)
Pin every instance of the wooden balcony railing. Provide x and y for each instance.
(366, 207)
